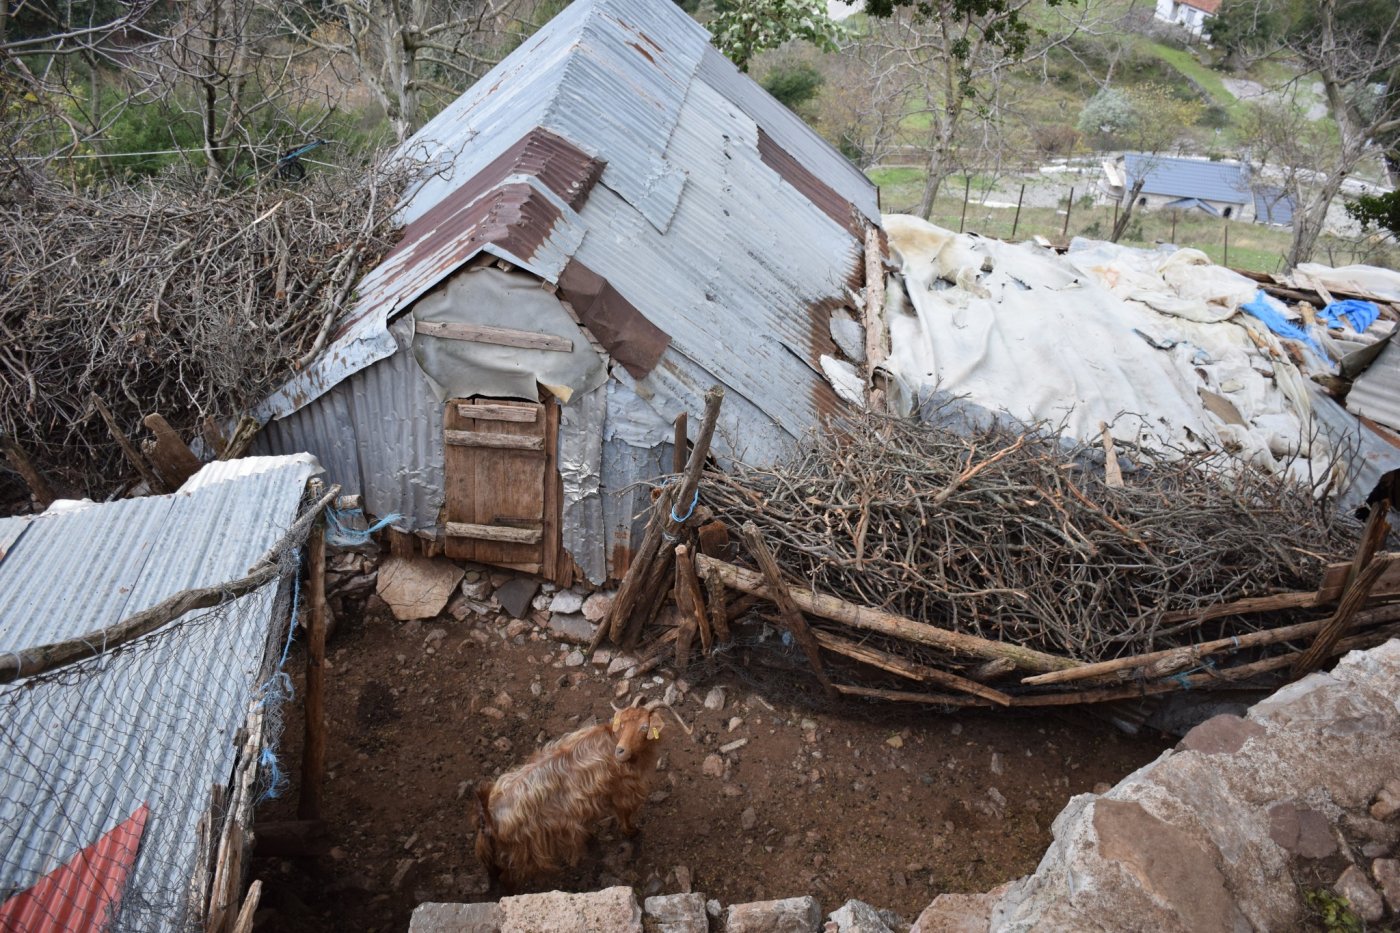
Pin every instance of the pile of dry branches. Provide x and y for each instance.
(163, 296)
(1017, 537)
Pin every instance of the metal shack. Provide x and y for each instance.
(616, 219)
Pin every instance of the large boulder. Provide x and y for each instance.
(790, 915)
(612, 910)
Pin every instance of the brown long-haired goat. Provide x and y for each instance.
(534, 819)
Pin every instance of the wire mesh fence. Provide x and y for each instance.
(124, 777)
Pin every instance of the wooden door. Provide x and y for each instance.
(503, 487)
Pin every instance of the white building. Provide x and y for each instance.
(1190, 15)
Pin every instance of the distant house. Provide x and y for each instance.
(1218, 188)
(1273, 205)
(1191, 15)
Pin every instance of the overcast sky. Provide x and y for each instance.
(839, 9)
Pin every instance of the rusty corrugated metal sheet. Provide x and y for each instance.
(707, 180)
(151, 724)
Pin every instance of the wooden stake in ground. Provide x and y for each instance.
(662, 522)
(787, 609)
(313, 755)
(874, 317)
(1364, 574)
(718, 608)
(1112, 472)
(39, 487)
(688, 598)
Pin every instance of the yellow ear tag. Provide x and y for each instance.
(617, 721)
(654, 732)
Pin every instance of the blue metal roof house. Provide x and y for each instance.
(612, 220)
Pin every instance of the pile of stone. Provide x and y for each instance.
(615, 910)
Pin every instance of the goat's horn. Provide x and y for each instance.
(689, 730)
(636, 700)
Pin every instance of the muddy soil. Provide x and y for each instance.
(892, 807)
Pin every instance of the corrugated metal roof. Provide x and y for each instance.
(10, 530)
(1376, 393)
(1368, 455)
(1188, 178)
(153, 724)
(705, 181)
(1273, 205)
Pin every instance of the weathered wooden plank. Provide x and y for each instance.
(495, 533)
(498, 441)
(498, 336)
(1334, 580)
(484, 411)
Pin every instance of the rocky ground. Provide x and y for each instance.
(772, 796)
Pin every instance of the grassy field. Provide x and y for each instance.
(1252, 246)
(1201, 76)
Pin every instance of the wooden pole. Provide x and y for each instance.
(39, 487)
(313, 753)
(787, 608)
(886, 623)
(1364, 573)
(1016, 221)
(873, 317)
(1173, 228)
(689, 600)
(133, 456)
(171, 456)
(1069, 206)
(1115, 216)
(967, 193)
(908, 669)
(638, 577)
(679, 451)
(1227, 243)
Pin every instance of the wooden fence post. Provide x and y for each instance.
(313, 756)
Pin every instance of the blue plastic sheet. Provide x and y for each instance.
(1263, 308)
(1359, 314)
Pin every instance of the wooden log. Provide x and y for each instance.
(171, 456)
(901, 667)
(713, 539)
(313, 753)
(497, 336)
(39, 487)
(1112, 472)
(203, 874)
(787, 609)
(1335, 579)
(678, 444)
(522, 414)
(495, 441)
(991, 670)
(875, 620)
(1169, 660)
(688, 597)
(717, 609)
(41, 659)
(154, 483)
(244, 923)
(873, 316)
(657, 652)
(660, 524)
(243, 434)
(1246, 606)
(494, 533)
(1340, 620)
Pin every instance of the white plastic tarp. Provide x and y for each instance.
(1077, 341)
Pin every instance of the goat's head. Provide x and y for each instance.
(632, 729)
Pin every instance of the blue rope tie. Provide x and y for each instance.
(339, 532)
(682, 519)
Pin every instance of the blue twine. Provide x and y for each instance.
(277, 690)
(682, 519)
(342, 535)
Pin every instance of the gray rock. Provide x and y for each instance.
(1219, 735)
(612, 910)
(749, 818)
(597, 606)
(574, 659)
(714, 700)
(515, 594)
(713, 766)
(675, 913)
(858, 917)
(566, 602)
(1363, 898)
(571, 628)
(790, 915)
(959, 913)
(1301, 831)
(455, 918)
(478, 588)
(1387, 801)
(1386, 871)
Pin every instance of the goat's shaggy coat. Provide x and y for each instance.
(534, 819)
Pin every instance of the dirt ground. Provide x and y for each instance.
(892, 807)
